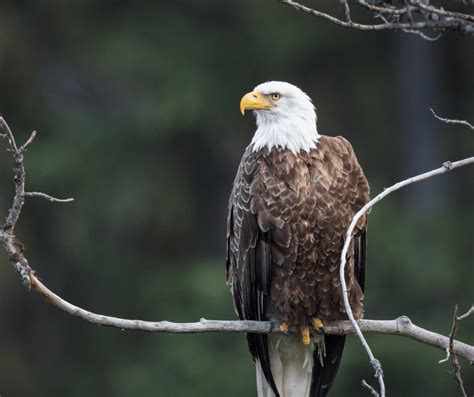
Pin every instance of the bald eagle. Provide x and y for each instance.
(292, 200)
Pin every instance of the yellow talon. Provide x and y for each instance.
(284, 328)
(318, 325)
(306, 336)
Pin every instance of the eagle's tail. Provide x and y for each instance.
(325, 369)
(299, 370)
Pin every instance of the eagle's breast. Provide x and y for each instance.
(304, 203)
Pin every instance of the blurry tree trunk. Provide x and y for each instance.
(419, 73)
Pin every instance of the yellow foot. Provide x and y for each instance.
(318, 325)
(306, 336)
(284, 328)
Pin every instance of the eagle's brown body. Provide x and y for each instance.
(288, 215)
(301, 205)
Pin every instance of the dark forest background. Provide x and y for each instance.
(136, 107)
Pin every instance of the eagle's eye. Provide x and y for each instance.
(275, 96)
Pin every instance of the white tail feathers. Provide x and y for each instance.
(291, 363)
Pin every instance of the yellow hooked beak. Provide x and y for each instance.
(254, 100)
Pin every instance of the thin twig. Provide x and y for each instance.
(8, 133)
(28, 142)
(454, 327)
(371, 389)
(424, 36)
(19, 180)
(448, 166)
(448, 356)
(452, 121)
(383, 9)
(467, 314)
(454, 359)
(48, 197)
(347, 10)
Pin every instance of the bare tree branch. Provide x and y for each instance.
(48, 197)
(467, 314)
(452, 354)
(422, 5)
(411, 16)
(386, 9)
(447, 166)
(452, 121)
(374, 392)
(19, 172)
(424, 36)
(401, 326)
(347, 10)
(13, 247)
(28, 142)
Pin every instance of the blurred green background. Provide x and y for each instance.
(136, 107)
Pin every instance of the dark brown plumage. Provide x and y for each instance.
(288, 214)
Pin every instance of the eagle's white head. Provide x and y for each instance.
(286, 117)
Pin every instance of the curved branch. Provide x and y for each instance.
(384, 9)
(48, 197)
(452, 121)
(467, 314)
(447, 166)
(401, 326)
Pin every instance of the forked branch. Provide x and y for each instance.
(401, 326)
(410, 16)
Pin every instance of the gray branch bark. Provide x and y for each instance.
(401, 326)
(411, 16)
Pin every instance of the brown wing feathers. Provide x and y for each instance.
(249, 262)
(287, 219)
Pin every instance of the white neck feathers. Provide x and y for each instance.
(294, 133)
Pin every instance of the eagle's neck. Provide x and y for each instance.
(295, 132)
